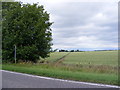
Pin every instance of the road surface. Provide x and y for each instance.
(20, 80)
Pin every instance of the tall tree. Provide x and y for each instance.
(27, 27)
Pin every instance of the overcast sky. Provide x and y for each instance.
(88, 25)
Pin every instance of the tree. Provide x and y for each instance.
(27, 27)
(77, 50)
(72, 51)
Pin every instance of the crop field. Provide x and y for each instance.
(89, 61)
(55, 56)
(87, 58)
(93, 58)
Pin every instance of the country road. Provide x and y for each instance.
(20, 80)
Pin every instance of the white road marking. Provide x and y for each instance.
(87, 83)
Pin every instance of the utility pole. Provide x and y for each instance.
(15, 54)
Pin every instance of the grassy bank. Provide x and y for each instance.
(91, 66)
(63, 72)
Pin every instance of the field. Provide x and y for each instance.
(109, 58)
(93, 58)
(90, 61)
(92, 66)
(55, 56)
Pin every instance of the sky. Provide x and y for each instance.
(82, 24)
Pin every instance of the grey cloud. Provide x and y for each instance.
(75, 14)
(105, 29)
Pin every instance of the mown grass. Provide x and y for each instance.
(63, 72)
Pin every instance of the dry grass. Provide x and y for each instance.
(86, 68)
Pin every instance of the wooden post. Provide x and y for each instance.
(15, 54)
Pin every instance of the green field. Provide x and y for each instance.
(86, 58)
(93, 58)
(90, 66)
(89, 61)
(56, 55)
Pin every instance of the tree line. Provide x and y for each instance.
(63, 50)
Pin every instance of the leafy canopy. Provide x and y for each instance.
(26, 26)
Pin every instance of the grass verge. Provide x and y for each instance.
(62, 73)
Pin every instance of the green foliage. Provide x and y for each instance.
(28, 27)
(7, 0)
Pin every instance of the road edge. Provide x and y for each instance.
(49, 78)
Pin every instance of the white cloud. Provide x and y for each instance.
(84, 42)
(58, 1)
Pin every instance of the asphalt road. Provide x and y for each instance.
(19, 80)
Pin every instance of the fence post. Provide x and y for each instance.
(15, 54)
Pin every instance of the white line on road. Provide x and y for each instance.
(93, 84)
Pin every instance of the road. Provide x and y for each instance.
(20, 80)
